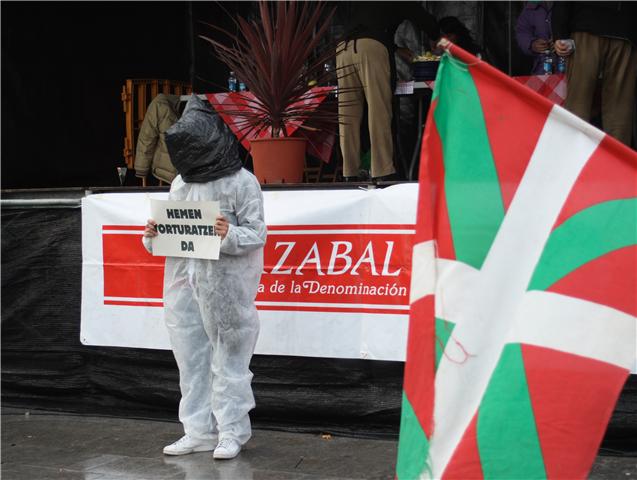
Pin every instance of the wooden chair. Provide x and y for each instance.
(315, 170)
(332, 172)
(136, 96)
(312, 170)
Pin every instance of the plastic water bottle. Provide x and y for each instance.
(242, 86)
(327, 68)
(561, 65)
(547, 63)
(232, 82)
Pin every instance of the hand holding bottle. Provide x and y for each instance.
(540, 45)
(564, 47)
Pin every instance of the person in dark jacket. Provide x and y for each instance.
(534, 34)
(366, 72)
(455, 31)
(600, 40)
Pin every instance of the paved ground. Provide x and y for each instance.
(42, 446)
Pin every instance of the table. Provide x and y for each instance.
(320, 142)
(552, 87)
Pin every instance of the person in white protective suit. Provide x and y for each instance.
(209, 304)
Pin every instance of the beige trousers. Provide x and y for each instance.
(364, 66)
(616, 61)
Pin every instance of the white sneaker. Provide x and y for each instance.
(187, 444)
(227, 448)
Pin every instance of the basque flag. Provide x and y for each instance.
(523, 297)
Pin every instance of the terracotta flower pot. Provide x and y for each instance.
(278, 160)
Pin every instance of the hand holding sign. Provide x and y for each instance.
(150, 230)
(221, 226)
(185, 229)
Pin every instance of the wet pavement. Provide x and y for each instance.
(45, 445)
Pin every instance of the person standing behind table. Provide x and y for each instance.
(534, 34)
(600, 40)
(366, 67)
(209, 306)
(455, 31)
(407, 42)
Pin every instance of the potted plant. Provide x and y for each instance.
(278, 58)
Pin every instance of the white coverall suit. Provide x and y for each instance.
(210, 313)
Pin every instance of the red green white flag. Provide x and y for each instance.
(523, 297)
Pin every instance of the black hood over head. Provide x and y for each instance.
(200, 144)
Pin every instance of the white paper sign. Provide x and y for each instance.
(404, 88)
(185, 229)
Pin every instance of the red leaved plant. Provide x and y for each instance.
(277, 57)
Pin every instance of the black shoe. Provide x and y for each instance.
(392, 177)
(350, 179)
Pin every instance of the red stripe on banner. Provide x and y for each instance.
(133, 304)
(512, 136)
(465, 461)
(358, 226)
(419, 364)
(608, 175)
(129, 270)
(295, 308)
(122, 227)
(609, 280)
(280, 308)
(573, 398)
(343, 268)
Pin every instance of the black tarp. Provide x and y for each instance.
(45, 366)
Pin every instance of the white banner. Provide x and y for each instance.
(335, 282)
